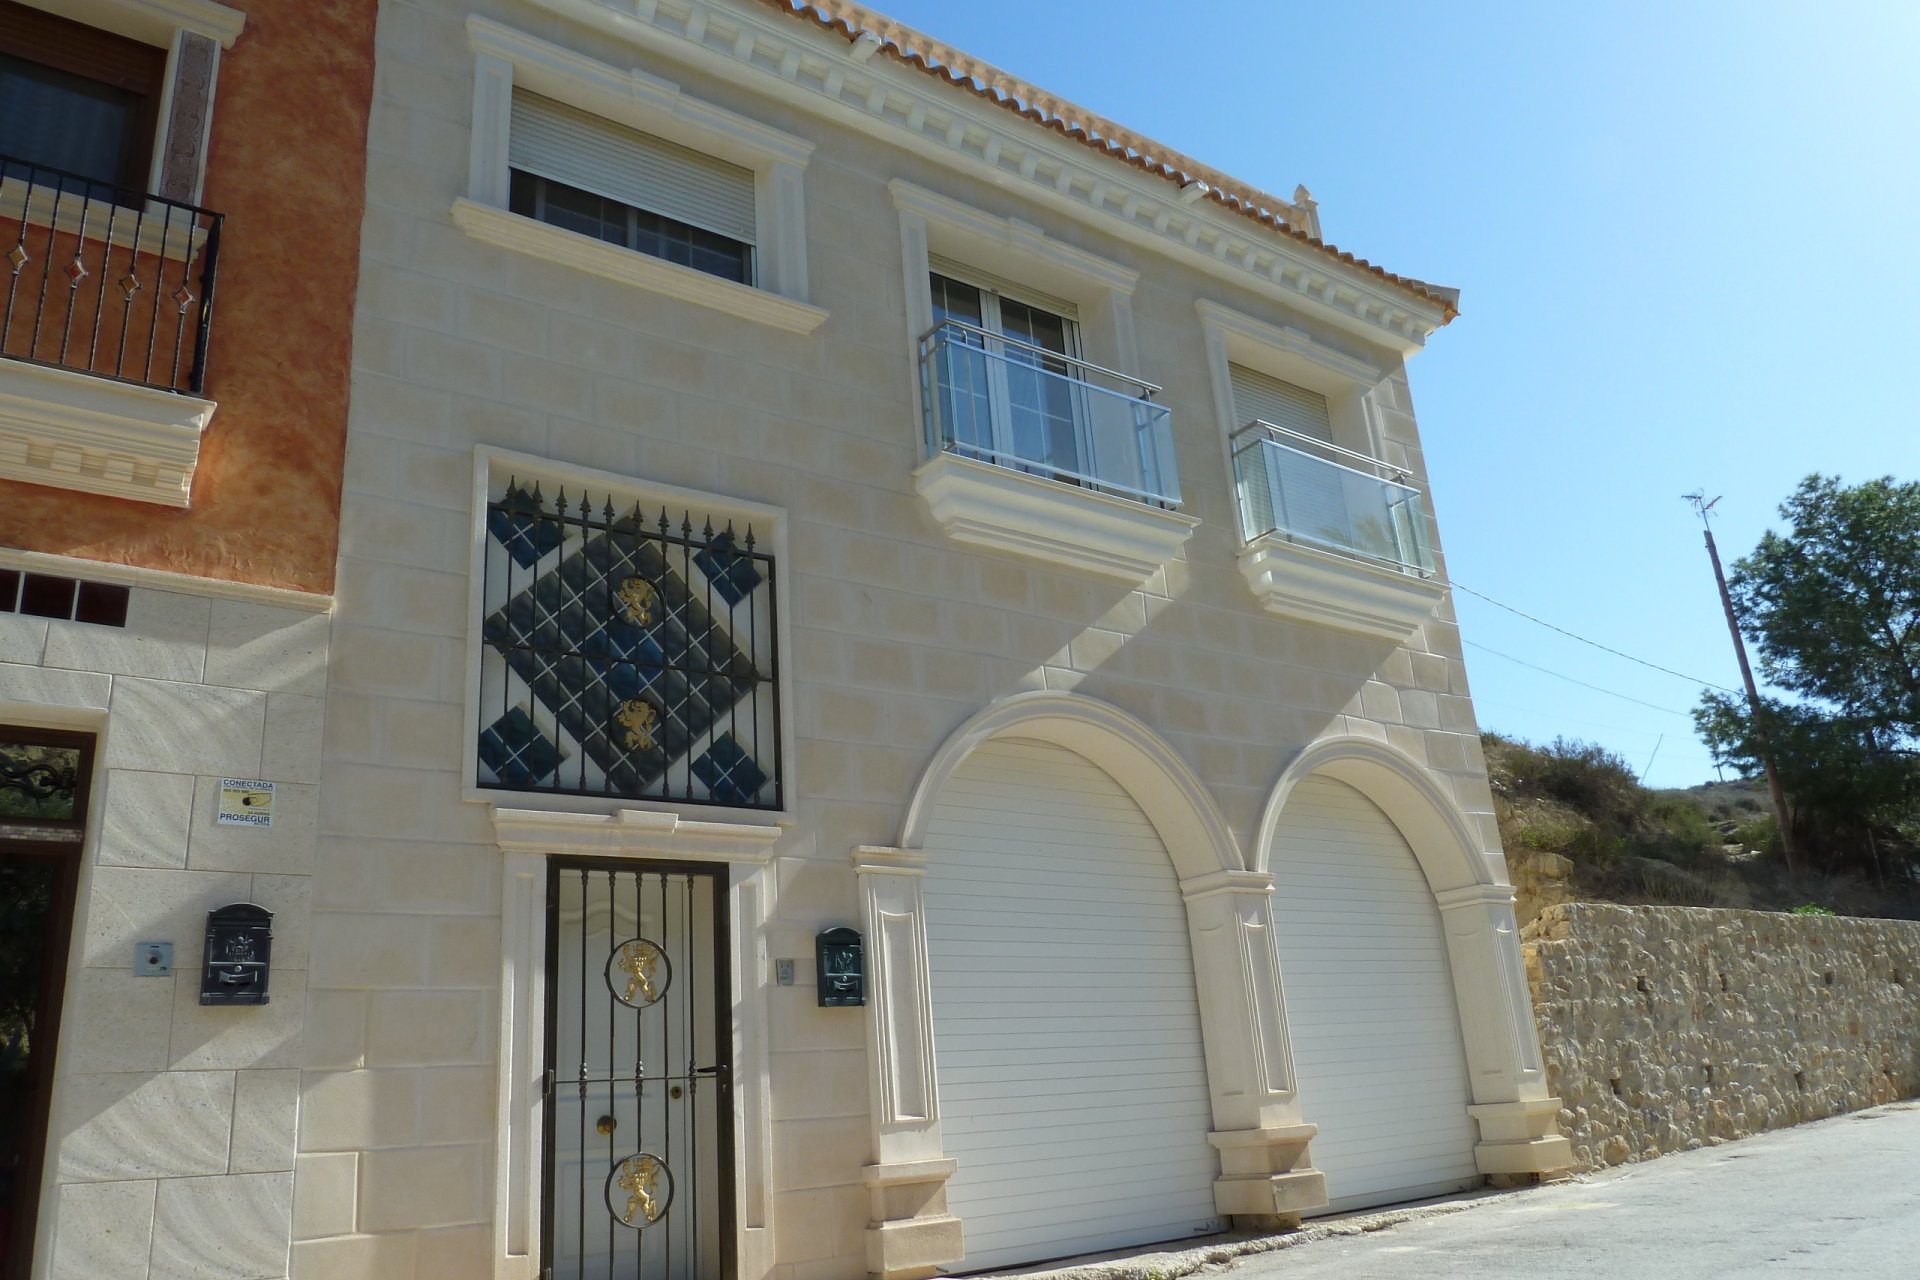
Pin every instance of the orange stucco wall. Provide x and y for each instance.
(287, 166)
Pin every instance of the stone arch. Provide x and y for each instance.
(1443, 840)
(1147, 768)
(1470, 886)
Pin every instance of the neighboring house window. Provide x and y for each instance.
(1014, 403)
(588, 175)
(76, 99)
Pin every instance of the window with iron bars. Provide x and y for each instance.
(627, 653)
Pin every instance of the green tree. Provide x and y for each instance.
(1832, 607)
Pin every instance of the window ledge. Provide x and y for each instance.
(1305, 584)
(632, 833)
(95, 435)
(628, 266)
(988, 506)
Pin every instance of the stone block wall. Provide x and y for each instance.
(1670, 1028)
(170, 1148)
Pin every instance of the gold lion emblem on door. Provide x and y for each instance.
(639, 1190)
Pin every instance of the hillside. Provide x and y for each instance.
(1577, 826)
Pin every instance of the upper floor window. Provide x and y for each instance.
(1006, 391)
(77, 99)
(617, 172)
(601, 179)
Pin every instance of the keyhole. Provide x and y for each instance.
(606, 1124)
(674, 1092)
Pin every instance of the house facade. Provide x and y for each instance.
(169, 497)
(893, 703)
(875, 696)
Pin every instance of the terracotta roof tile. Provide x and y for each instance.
(983, 80)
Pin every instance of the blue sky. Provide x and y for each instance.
(1685, 236)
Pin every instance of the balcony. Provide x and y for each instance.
(1332, 536)
(105, 312)
(1047, 456)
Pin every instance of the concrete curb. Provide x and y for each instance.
(1220, 1252)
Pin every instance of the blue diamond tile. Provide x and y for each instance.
(732, 572)
(731, 775)
(517, 752)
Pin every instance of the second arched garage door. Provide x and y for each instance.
(1073, 1090)
(1370, 1007)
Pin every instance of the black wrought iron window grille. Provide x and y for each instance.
(627, 654)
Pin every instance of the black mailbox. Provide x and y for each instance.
(239, 945)
(842, 972)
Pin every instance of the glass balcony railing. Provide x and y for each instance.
(1319, 494)
(1010, 403)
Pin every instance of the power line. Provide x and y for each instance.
(1595, 643)
(1582, 683)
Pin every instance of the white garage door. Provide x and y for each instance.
(1073, 1091)
(1370, 1006)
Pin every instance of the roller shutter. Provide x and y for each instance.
(1073, 1089)
(1370, 1006)
(583, 150)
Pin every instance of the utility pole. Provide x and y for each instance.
(1704, 509)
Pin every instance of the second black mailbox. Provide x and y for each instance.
(842, 972)
(239, 949)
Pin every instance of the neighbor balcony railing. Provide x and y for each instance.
(1316, 493)
(1010, 403)
(104, 280)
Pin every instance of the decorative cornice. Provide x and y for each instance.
(1256, 883)
(900, 105)
(873, 859)
(72, 430)
(1305, 584)
(987, 506)
(631, 833)
(1475, 895)
(1286, 339)
(870, 33)
(959, 219)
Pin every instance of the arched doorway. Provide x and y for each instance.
(1378, 1055)
(1070, 1068)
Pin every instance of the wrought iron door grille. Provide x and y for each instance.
(627, 655)
(638, 1102)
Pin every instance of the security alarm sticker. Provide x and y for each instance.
(245, 802)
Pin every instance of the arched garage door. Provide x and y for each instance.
(1073, 1091)
(1370, 1006)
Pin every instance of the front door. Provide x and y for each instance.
(43, 809)
(639, 1086)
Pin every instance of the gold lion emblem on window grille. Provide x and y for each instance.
(637, 717)
(636, 597)
(638, 973)
(639, 1190)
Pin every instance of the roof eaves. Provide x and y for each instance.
(924, 54)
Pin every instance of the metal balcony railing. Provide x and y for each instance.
(1313, 492)
(104, 280)
(1016, 405)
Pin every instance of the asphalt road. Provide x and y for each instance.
(1839, 1199)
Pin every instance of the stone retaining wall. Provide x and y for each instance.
(1670, 1028)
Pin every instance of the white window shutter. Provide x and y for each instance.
(1263, 396)
(575, 147)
